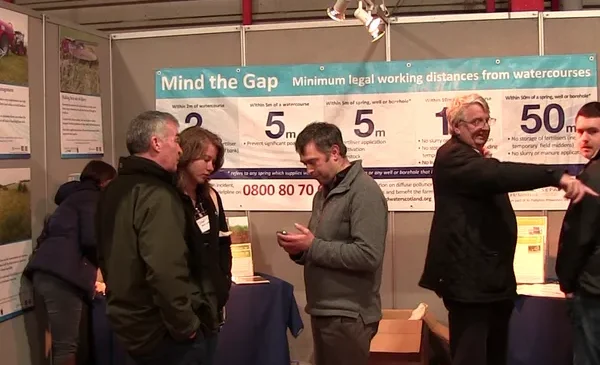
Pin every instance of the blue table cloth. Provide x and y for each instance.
(540, 332)
(255, 331)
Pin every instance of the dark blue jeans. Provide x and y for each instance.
(585, 317)
(199, 351)
(64, 305)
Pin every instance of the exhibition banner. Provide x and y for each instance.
(392, 116)
(81, 133)
(14, 85)
(16, 293)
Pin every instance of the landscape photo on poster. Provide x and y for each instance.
(13, 48)
(15, 240)
(238, 226)
(79, 64)
(15, 211)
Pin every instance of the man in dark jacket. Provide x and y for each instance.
(578, 260)
(474, 232)
(152, 303)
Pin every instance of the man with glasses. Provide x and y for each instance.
(473, 235)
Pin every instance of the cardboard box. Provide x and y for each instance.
(400, 341)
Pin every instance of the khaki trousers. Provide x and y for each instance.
(342, 340)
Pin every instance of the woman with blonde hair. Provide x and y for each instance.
(210, 249)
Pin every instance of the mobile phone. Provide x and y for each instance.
(282, 232)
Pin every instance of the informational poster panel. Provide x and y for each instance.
(15, 241)
(14, 85)
(530, 254)
(392, 117)
(242, 264)
(80, 102)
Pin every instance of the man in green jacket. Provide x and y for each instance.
(152, 301)
(342, 249)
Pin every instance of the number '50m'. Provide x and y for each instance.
(532, 118)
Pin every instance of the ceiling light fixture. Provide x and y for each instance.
(375, 24)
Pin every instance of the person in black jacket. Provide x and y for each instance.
(64, 266)
(473, 236)
(153, 304)
(210, 248)
(578, 259)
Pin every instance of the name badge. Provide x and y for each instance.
(203, 223)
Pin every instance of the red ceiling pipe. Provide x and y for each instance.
(246, 12)
(555, 5)
(490, 6)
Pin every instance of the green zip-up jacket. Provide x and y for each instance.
(144, 258)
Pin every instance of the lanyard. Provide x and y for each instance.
(199, 213)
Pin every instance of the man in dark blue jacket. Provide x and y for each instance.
(578, 259)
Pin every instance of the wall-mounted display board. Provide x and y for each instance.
(392, 116)
(14, 86)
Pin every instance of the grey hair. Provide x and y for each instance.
(144, 126)
(455, 112)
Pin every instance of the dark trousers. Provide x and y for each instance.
(479, 332)
(342, 340)
(64, 307)
(585, 317)
(198, 351)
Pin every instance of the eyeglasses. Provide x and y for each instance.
(479, 122)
